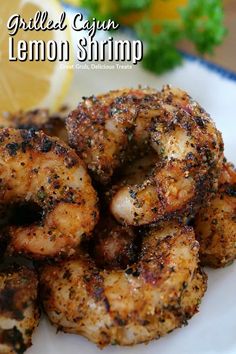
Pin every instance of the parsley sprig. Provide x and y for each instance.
(200, 21)
(161, 53)
(203, 24)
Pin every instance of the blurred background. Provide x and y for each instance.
(203, 27)
(168, 28)
(225, 54)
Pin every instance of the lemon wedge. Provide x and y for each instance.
(29, 84)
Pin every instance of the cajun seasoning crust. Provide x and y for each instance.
(101, 129)
(38, 119)
(162, 196)
(113, 245)
(40, 169)
(98, 128)
(215, 224)
(189, 152)
(107, 128)
(19, 311)
(143, 302)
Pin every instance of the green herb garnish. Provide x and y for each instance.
(161, 53)
(200, 21)
(133, 5)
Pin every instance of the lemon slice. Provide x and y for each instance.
(29, 84)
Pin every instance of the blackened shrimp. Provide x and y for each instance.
(215, 223)
(147, 300)
(189, 148)
(35, 168)
(105, 130)
(19, 311)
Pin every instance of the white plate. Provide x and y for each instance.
(213, 329)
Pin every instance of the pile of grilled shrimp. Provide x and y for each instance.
(108, 213)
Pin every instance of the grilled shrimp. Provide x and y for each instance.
(106, 131)
(19, 311)
(152, 297)
(38, 119)
(35, 168)
(215, 224)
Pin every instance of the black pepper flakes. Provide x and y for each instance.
(231, 190)
(200, 122)
(132, 194)
(12, 148)
(41, 195)
(129, 271)
(46, 144)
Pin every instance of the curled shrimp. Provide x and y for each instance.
(148, 299)
(42, 170)
(109, 129)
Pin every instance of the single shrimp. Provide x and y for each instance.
(148, 299)
(38, 169)
(107, 130)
